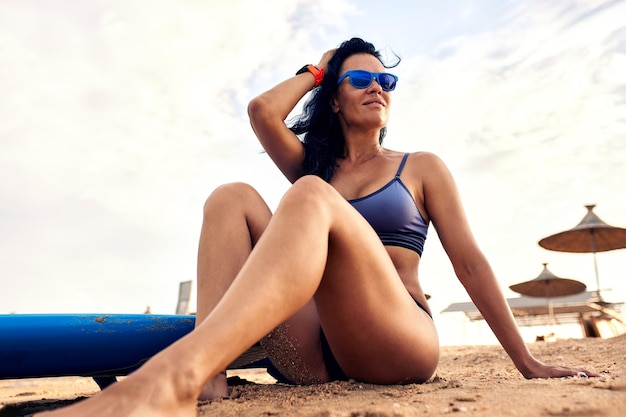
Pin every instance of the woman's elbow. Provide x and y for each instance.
(253, 107)
(258, 108)
(471, 269)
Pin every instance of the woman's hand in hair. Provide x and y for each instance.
(325, 58)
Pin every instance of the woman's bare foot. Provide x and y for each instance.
(215, 388)
(149, 392)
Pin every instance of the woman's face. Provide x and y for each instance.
(361, 108)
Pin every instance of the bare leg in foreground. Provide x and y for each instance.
(278, 278)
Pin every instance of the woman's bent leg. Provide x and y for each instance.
(373, 326)
(234, 218)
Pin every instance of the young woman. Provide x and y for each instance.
(329, 282)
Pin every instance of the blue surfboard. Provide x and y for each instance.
(33, 345)
(102, 346)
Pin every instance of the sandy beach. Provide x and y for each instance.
(471, 380)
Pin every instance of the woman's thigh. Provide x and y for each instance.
(375, 330)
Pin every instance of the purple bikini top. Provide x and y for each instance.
(393, 214)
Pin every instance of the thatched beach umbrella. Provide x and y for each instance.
(591, 235)
(548, 285)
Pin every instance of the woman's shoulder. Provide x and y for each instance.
(424, 159)
(426, 166)
(418, 160)
(412, 154)
(423, 155)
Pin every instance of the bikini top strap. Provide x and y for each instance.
(401, 167)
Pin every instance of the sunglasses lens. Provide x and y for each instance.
(360, 79)
(387, 81)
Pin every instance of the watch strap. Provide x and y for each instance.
(317, 72)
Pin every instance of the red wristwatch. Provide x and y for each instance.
(317, 72)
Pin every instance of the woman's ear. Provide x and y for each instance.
(334, 105)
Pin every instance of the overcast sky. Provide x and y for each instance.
(118, 118)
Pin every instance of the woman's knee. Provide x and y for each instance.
(313, 183)
(229, 196)
(311, 189)
(237, 203)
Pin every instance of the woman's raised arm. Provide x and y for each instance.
(268, 112)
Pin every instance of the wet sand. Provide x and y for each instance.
(470, 380)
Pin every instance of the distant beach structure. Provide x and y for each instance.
(596, 316)
(184, 295)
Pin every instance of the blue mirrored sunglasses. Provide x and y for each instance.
(363, 79)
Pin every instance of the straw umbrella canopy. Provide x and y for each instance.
(548, 285)
(591, 235)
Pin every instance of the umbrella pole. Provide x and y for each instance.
(551, 312)
(550, 306)
(595, 264)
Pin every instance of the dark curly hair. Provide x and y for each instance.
(318, 125)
